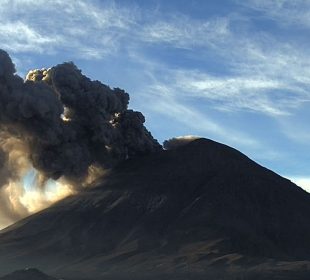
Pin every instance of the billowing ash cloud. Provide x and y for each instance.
(65, 124)
(176, 142)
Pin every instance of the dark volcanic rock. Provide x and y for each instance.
(201, 209)
(27, 274)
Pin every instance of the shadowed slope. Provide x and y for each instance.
(195, 208)
(28, 274)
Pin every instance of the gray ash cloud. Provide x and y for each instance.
(68, 122)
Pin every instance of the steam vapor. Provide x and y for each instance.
(176, 142)
(63, 125)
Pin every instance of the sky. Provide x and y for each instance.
(234, 71)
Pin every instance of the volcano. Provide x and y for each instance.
(28, 273)
(201, 210)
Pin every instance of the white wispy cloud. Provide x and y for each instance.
(164, 98)
(266, 75)
(94, 29)
(183, 32)
(79, 26)
(161, 98)
(20, 37)
(230, 93)
(284, 12)
(236, 92)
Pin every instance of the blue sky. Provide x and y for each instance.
(234, 71)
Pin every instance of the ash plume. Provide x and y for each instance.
(176, 142)
(64, 125)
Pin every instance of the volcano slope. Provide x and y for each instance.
(203, 209)
(28, 273)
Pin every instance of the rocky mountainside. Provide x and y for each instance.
(203, 209)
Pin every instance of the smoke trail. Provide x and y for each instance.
(176, 142)
(63, 125)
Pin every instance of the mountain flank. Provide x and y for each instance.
(27, 274)
(201, 210)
